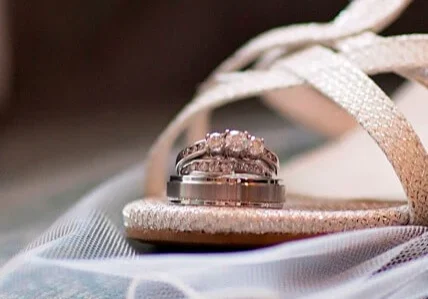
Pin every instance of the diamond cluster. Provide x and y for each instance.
(230, 165)
(194, 148)
(235, 143)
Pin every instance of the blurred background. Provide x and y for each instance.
(86, 86)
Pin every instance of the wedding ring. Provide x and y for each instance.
(230, 144)
(227, 169)
(220, 166)
(226, 191)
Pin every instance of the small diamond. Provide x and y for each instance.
(204, 166)
(215, 143)
(226, 167)
(190, 150)
(256, 147)
(236, 141)
(214, 166)
(271, 157)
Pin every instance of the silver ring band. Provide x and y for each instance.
(226, 191)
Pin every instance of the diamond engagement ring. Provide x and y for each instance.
(230, 144)
(232, 168)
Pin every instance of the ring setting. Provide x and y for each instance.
(231, 143)
(232, 168)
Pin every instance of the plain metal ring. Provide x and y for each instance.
(226, 191)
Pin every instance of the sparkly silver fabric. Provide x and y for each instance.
(405, 55)
(297, 216)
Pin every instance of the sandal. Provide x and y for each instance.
(295, 65)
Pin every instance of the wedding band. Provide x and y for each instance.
(231, 143)
(221, 166)
(226, 191)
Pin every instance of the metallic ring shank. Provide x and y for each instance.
(229, 191)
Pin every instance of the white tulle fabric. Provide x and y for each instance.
(85, 255)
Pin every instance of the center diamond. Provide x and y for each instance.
(236, 141)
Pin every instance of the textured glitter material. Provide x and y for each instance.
(298, 217)
(405, 55)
